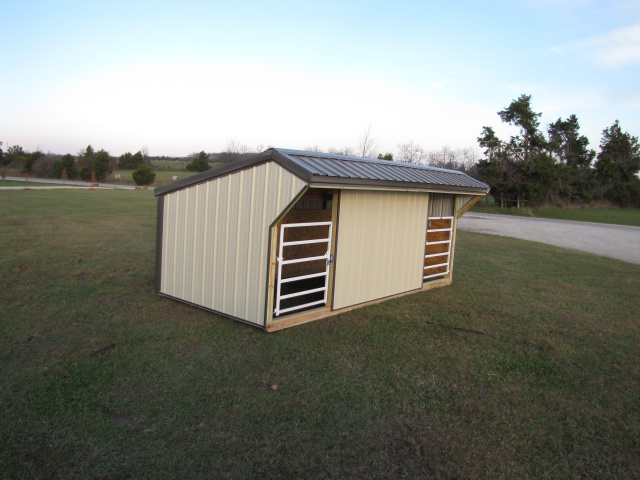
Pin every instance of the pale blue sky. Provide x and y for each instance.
(180, 77)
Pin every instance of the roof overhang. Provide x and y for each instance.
(285, 159)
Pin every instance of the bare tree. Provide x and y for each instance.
(315, 148)
(411, 152)
(144, 151)
(366, 145)
(344, 151)
(459, 159)
(236, 147)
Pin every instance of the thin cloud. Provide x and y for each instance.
(617, 48)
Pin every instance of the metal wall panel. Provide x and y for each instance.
(441, 205)
(215, 239)
(380, 245)
(463, 200)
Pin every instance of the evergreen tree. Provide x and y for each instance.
(200, 163)
(100, 165)
(67, 164)
(32, 158)
(618, 165)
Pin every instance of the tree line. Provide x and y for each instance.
(558, 167)
(533, 167)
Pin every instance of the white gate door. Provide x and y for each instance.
(282, 261)
(438, 247)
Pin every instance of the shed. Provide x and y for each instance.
(286, 237)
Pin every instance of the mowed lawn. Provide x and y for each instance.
(527, 366)
(596, 214)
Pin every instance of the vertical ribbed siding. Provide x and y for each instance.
(215, 239)
(463, 200)
(441, 205)
(380, 245)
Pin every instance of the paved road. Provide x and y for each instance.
(615, 241)
(72, 182)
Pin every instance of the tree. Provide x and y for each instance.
(85, 162)
(200, 163)
(366, 144)
(568, 146)
(100, 165)
(143, 175)
(490, 142)
(386, 156)
(570, 149)
(127, 161)
(66, 164)
(618, 165)
(411, 152)
(1, 155)
(15, 154)
(520, 114)
(32, 158)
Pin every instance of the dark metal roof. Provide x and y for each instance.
(346, 167)
(342, 170)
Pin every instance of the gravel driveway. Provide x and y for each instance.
(615, 241)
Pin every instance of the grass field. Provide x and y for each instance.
(527, 366)
(597, 214)
(19, 183)
(169, 164)
(163, 175)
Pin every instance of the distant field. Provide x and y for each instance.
(163, 173)
(169, 164)
(17, 183)
(596, 214)
(162, 176)
(526, 367)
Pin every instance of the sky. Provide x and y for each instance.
(181, 77)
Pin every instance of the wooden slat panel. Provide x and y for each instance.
(438, 224)
(437, 236)
(439, 248)
(436, 260)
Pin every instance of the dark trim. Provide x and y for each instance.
(336, 257)
(293, 167)
(212, 310)
(220, 171)
(159, 231)
(338, 182)
(275, 223)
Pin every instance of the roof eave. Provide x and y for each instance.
(317, 180)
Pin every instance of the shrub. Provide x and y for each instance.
(66, 163)
(143, 175)
(200, 163)
(85, 174)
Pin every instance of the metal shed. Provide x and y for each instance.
(286, 237)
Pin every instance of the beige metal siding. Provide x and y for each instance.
(441, 205)
(215, 239)
(380, 245)
(463, 200)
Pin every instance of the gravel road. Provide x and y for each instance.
(615, 241)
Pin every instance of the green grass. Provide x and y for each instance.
(29, 183)
(102, 378)
(169, 164)
(596, 214)
(162, 175)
